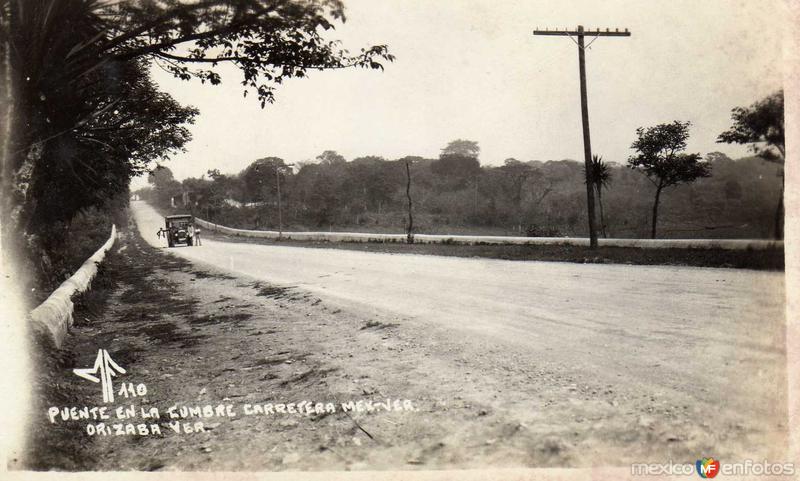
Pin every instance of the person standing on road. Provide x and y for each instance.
(197, 237)
(190, 233)
(163, 231)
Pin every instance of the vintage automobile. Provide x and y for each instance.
(177, 227)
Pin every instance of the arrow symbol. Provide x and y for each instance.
(106, 368)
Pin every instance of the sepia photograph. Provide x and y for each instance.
(399, 239)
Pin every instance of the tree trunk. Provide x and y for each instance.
(7, 104)
(23, 124)
(9, 239)
(779, 211)
(410, 229)
(19, 156)
(655, 212)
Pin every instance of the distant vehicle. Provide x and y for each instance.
(178, 229)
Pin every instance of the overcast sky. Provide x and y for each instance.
(472, 69)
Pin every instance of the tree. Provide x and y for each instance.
(79, 128)
(226, 187)
(268, 40)
(465, 148)
(410, 225)
(517, 174)
(458, 163)
(331, 157)
(372, 180)
(160, 176)
(661, 159)
(317, 188)
(164, 185)
(128, 126)
(259, 178)
(457, 169)
(761, 126)
(600, 176)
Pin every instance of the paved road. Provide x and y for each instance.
(700, 335)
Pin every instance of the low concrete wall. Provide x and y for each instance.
(53, 317)
(728, 244)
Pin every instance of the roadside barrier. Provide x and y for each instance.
(727, 244)
(53, 317)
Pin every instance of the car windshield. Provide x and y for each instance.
(179, 223)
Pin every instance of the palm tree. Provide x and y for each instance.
(600, 177)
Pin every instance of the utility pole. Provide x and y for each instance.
(579, 34)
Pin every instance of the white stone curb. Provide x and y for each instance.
(727, 244)
(53, 317)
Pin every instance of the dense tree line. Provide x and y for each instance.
(456, 194)
(686, 194)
